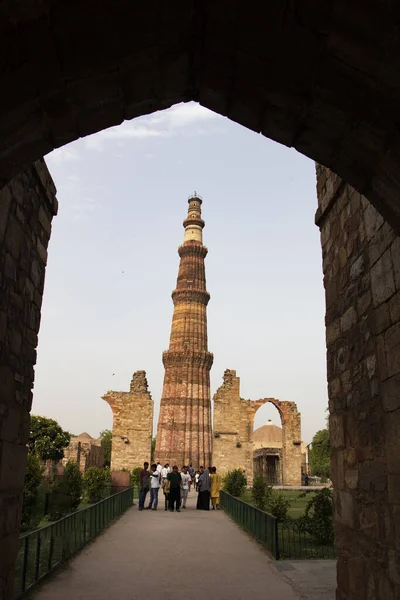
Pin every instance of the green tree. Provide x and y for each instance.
(318, 517)
(47, 439)
(319, 455)
(73, 482)
(33, 479)
(96, 484)
(260, 491)
(106, 441)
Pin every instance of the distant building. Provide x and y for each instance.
(267, 454)
(85, 451)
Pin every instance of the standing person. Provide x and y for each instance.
(144, 484)
(166, 490)
(185, 482)
(164, 473)
(196, 481)
(203, 498)
(159, 468)
(154, 487)
(215, 488)
(174, 479)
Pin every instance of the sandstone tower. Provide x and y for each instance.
(184, 426)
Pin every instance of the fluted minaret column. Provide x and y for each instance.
(184, 425)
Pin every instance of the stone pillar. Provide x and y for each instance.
(27, 206)
(361, 264)
(132, 424)
(291, 443)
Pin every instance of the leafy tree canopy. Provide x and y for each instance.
(47, 438)
(106, 439)
(319, 455)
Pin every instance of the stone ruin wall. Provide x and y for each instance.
(361, 265)
(85, 454)
(27, 206)
(233, 427)
(132, 424)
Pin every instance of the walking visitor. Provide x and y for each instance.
(174, 479)
(196, 481)
(154, 487)
(203, 498)
(144, 484)
(215, 488)
(185, 482)
(164, 472)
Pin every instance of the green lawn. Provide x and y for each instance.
(297, 505)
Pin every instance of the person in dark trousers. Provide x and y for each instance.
(144, 484)
(174, 479)
(203, 488)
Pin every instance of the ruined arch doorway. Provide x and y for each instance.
(233, 431)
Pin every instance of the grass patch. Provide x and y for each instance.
(297, 504)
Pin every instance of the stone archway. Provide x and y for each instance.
(291, 438)
(233, 431)
(321, 78)
(318, 77)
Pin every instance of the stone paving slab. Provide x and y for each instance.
(158, 555)
(316, 579)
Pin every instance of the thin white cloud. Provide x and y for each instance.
(181, 119)
(61, 155)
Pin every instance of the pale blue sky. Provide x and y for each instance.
(113, 264)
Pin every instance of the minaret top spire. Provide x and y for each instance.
(193, 223)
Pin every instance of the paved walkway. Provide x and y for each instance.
(315, 578)
(160, 555)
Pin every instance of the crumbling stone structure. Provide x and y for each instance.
(233, 431)
(184, 425)
(85, 451)
(132, 424)
(361, 264)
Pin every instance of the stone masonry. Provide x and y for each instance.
(361, 264)
(132, 424)
(85, 451)
(233, 431)
(27, 206)
(184, 425)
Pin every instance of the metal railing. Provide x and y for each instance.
(43, 550)
(258, 523)
(284, 539)
(296, 543)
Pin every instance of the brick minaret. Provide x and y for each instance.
(184, 425)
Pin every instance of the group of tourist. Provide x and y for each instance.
(176, 485)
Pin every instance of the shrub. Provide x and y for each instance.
(318, 517)
(33, 479)
(235, 482)
(135, 476)
(260, 492)
(96, 484)
(278, 505)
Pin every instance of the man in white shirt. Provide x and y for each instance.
(164, 473)
(154, 487)
(185, 478)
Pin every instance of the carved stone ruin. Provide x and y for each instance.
(132, 424)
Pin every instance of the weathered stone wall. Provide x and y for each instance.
(132, 424)
(361, 264)
(85, 454)
(233, 430)
(27, 206)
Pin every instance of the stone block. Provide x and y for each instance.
(382, 279)
(349, 319)
(394, 308)
(373, 221)
(390, 393)
(12, 466)
(395, 252)
(392, 349)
